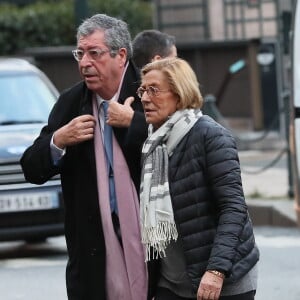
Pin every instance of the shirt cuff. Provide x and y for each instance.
(56, 152)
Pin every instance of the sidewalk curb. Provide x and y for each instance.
(265, 212)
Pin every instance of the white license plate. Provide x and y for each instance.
(28, 201)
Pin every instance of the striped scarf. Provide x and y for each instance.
(156, 212)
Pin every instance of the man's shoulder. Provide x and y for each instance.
(131, 82)
(132, 74)
(77, 88)
(74, 97)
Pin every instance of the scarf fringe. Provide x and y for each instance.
(157, 216)
(156, 239)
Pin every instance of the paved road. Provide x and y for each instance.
(279, 266)
(33, 272)
(37, 272)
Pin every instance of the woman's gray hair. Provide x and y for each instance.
(116, 32)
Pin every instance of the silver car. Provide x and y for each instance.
(28, 212)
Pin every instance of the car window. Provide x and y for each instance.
(25, 98)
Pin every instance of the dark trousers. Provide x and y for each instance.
(165, 294)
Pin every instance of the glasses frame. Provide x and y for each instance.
(152, 91)
(93, 54)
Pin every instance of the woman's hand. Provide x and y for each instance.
(210, 287)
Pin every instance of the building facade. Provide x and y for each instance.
(214, 34)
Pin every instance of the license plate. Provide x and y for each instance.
(28, 201)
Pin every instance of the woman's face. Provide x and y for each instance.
(158, 100)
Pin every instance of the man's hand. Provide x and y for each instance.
(120, 115)
(78, 130)
(210, 287)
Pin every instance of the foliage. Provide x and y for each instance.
(138, 14)
(52, 23)
(38, 24)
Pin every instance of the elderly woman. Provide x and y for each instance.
(194, 218)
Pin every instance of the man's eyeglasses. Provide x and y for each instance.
(94, 54)
(151, 91)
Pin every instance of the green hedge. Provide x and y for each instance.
(137, 13)
(52, 23)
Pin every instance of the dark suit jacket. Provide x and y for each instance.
(85, 274)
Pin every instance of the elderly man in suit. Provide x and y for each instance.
(99, 185)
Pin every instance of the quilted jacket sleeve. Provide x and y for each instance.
(224, 177)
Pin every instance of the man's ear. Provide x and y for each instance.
(156, 57)
(122, 52)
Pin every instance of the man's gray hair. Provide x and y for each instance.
(116, 33)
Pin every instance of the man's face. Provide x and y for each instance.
(99, 67)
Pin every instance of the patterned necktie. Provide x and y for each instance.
(109, 157)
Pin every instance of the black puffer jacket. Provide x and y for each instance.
(209, 206)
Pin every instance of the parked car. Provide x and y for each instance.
(27, 212)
